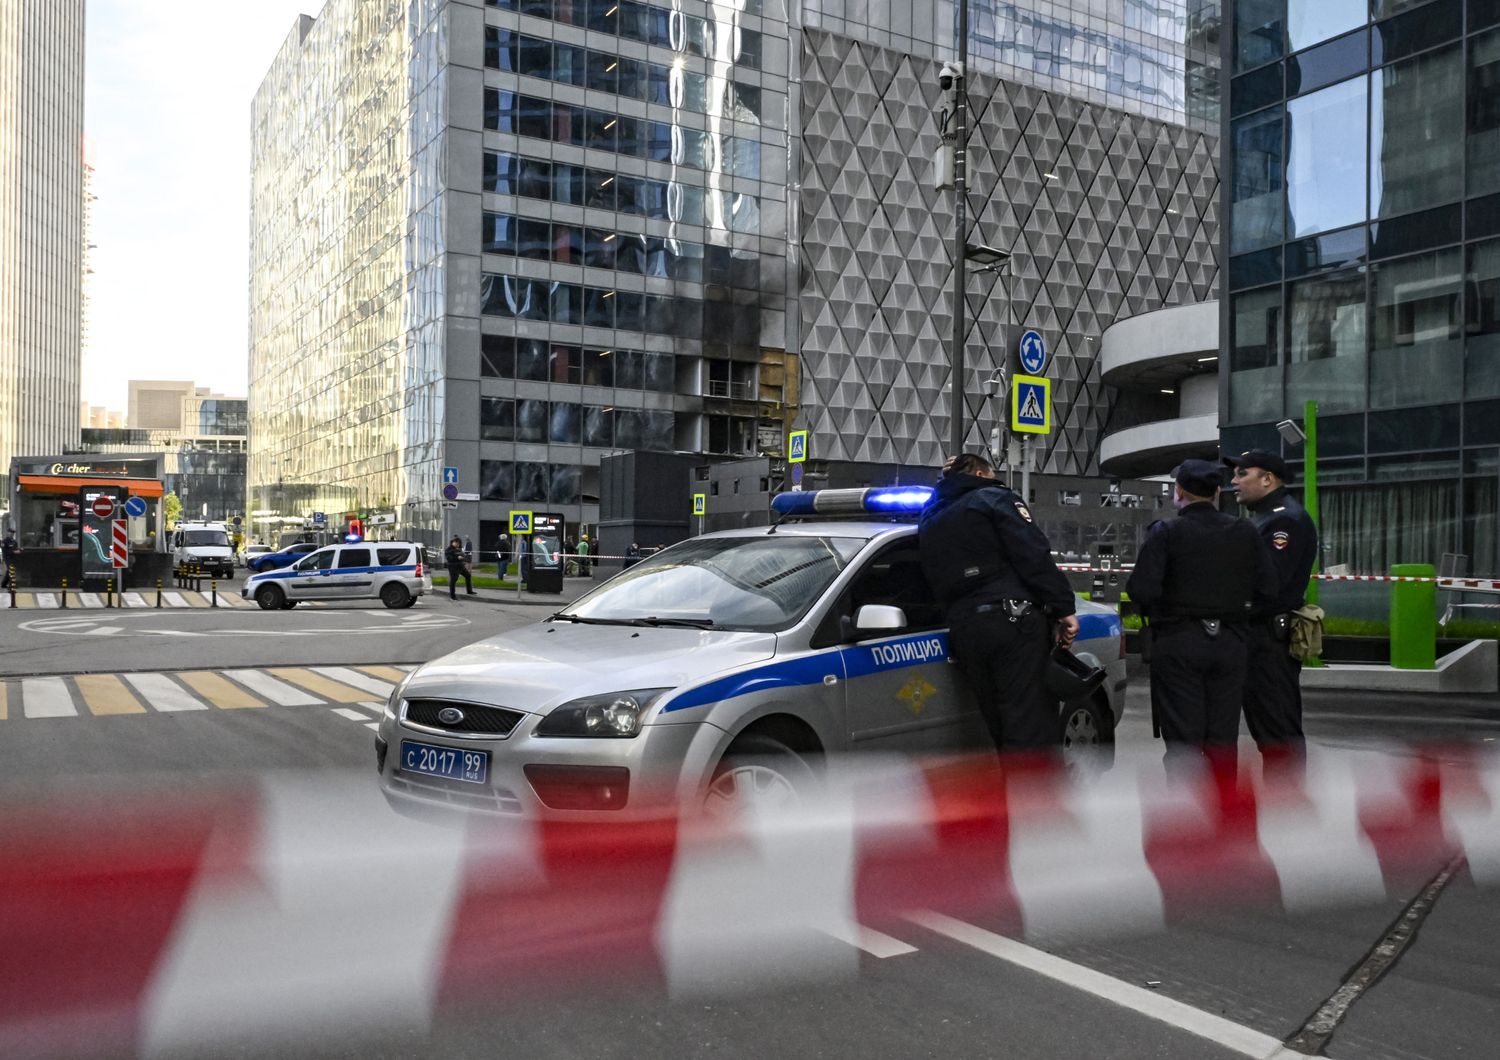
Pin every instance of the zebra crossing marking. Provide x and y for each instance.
(46, 697)
(164, 694)
(278, 692)
(219, 690)
(106, 694)
(326, 687)
(356, 679)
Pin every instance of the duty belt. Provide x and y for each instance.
(1014, 609)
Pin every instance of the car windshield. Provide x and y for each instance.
(739, 583)
(205, 537)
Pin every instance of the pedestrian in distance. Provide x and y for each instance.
(632, 556)
(10, 548)
(1273, 692)
(457, 562)
(1199, 579)
(1007, 603)
(584, 564)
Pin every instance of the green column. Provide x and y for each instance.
(1414, 618)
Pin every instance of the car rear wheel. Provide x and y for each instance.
(395, 595)
(287, 605)
(758, 774)
(270, 597)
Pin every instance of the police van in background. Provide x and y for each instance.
(393, 572)
(717, 671)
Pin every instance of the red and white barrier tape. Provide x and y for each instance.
(301, 908)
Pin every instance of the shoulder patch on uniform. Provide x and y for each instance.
(1025, 512)
(1280, 539)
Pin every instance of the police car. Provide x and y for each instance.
(393, 572)
(718, 671)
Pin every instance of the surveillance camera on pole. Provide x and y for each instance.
(950, 80)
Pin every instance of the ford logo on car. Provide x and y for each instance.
(450, 715)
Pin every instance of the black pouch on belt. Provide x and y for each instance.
(1211, 626)
(1280, 625)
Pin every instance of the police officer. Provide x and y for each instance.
(1198, 580)
(1273, 695)
(1007, 603)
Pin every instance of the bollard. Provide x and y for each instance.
(12, 571)
(214, 587)
(65, 594)
(158, 592)
(1414, 618)
(109, 592)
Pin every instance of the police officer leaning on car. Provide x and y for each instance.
(1198, 580)
(1273, 695)
(1007, 603)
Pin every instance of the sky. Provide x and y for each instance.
(167, 110)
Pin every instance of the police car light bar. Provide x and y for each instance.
(875, 500)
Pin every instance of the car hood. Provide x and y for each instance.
(536, 668)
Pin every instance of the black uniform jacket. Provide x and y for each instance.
(979, 545)
(453, 557)
(1203, 564)
(1288, 530)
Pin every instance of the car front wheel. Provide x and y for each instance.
(270, 597)
(758, 774)
(1088, 735)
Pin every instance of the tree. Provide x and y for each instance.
(171, 509)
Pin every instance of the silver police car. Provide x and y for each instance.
(717, 671)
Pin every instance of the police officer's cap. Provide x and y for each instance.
(1199, 477)
(1261, 458)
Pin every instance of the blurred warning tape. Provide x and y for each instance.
(298, 908)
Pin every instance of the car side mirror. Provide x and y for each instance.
(876, 618)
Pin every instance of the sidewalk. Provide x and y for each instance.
(38, 599)
(573, 588)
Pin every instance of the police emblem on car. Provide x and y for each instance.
(450, 715)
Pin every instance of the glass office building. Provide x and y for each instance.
(513, 236)
(1363, 263)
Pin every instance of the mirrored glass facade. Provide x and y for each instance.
(1363, 214)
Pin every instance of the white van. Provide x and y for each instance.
(203, 545)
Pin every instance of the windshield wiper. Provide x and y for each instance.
(594, 621)
(690, 623)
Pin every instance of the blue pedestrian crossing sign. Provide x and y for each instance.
(520, 523)
(700, 503)
(1031, 405)
(1033, 352)
(450, 476)
(796, 448)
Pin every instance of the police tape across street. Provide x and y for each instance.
(296, 909)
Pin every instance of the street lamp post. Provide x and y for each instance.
(993, 259)
(960, 220)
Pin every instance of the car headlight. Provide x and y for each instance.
(393, 701)
(616, 715)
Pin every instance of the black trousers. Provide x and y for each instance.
(1273, 695)
(455, 573)
(1197, 684)
(1002, 662)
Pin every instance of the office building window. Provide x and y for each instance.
(1258, 181)
(1482, 321)
(1484, 114)
(1327, 342)
(1325, 172)
(1255, 344)
(1310, 21)
(1416, 328)
(1416, 133)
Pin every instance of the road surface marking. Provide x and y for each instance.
(107, 694)
(174, 600)
(872, 942)
(162, 694)
(1148, 1003)
(278, 692)
(392, 674)
(373, 708)
(332, 691)
(195, 599)
(351, 714)
(218, 690)
(356, 679)
(4, 695)
(373, 725)
(104, 631)
(133, 600)
(47, 697)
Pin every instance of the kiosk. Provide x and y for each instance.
(88, 519)
(542, 562)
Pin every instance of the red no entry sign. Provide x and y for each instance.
(103, 507)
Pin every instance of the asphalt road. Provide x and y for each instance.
(944, 998)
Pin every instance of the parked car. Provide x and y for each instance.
(393, 572)
(285, 558)
(253, 552)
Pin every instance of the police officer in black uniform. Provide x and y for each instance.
(1273, 694)
(1198, 580)
(1007, 603)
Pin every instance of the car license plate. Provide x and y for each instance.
(472, 767)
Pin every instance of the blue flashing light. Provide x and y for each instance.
(889, 500)
(900, 499)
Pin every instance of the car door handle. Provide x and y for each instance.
(830, 680)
